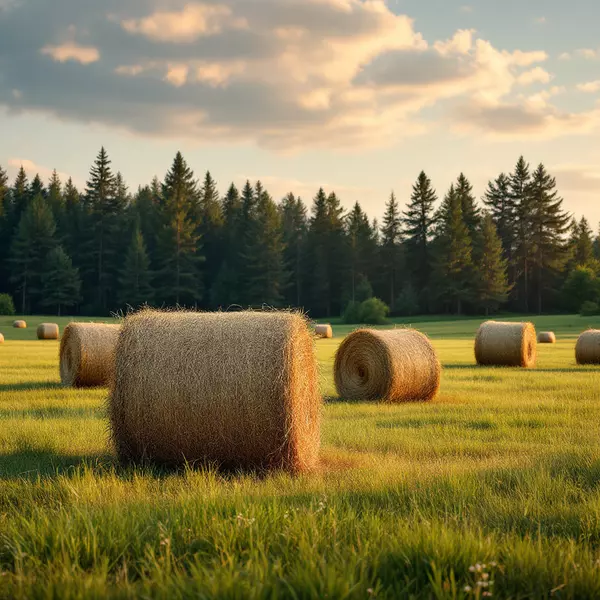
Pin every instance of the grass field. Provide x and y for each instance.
(502, 469)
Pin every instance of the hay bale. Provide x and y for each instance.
(87, 354)
(235, 388)
(506, 344)
(20, 324)
(394, 365)
(324, 331)
(1, 339)
(546, 337)
(587, 348)
(47, 331)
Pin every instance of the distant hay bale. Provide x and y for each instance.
(239, 389)
(395, 365)
(20, 325)
(87, 354)
(506, 344)
(546, 337)
(587, 348)
(47, 331)
(1, 339)
(324, 331)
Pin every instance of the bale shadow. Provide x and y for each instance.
(30, 385)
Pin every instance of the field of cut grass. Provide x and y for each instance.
(501, 470)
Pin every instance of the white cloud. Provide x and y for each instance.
(32, 168)
(536, 75)
(588, 53)
(589, 86)
(71, 51)
(564, 56)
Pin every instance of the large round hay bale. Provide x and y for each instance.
(236, 389)
(47, 331)
(394, 365)
(20, 324)
(587, 348)
(1, 339)
(324, 331)
(546, 337)
(87, 354)
(506, 344)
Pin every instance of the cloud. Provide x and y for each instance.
(588, 53)
(564, 56)
(348, 74)
(577, 178)
(31, 168)
(589, 86)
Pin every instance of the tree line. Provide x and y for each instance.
(180, 242)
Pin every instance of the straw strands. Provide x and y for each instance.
(47, 331)
(546, 337)
(396, 365)
(324, 331)
(1, 339)
(506, 344)
(235, 388)
(20, 324)
(87, 354)
(587, 348)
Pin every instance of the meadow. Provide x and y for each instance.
(496, 481)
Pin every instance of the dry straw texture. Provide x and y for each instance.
(324, 331)
(87, 354)
(506, 344)
(394, 365)
(1, 339)
(20, 325)
(237, 389)
(47, 331)
(546, 337)
(587, 348)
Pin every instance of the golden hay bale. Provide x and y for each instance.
(324, 331)
(1, 339)
(587, 348)
(87, 354)
(506, 344)
(394, 365)
(236, 388)
(47, 331)
(546, 337)
(20, 325)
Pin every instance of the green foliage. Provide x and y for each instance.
(407, 303)
(60, 281)
(582, 285)
(352, 313)
(391, 255)
(371, 312)
(7, 306)
(135, 278)
(589, 309)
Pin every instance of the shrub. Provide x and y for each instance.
(352, 313)
(374, 311)
(580, 287)
(7, 306)
(589, 309)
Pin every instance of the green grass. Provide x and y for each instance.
(504, 467)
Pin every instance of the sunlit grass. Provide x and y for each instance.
(503, 466)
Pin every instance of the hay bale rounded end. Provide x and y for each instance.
(48, 331)
(506, 344)
(87, 354)
(1, 339)
(235, 389)
(546, 337)
(324, 331)
(587, 348)
(20, 324)
(395, 365)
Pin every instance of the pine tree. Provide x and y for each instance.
(499, 203)
(61, 284)
(5, 230)
(453, 266)
(55, 197)
(520, 198)
(491, 268)
(391, 250)
(316, 258)
(31, 245)
(180, 257)
(37, 187)
(418, 223)
(337, 254)
(20, 197)
(211, 224)
(264, 258)
(295, 229)
(72, 232)
(470, 210)
(246, 231)
(549, 223)
(135, 287)
(146, 207)
(584, 251)
(362, 248)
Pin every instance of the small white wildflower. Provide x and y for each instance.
(493, 564)
(485, 576)
(467, 588)
(472, 569)
(487, 594)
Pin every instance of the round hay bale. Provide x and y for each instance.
(506, 344)
(238, 389)
(394, 365)
(587, 348)
(20, 324)
(324, 331)
(47, 331)
(1, 339)
(546, 337)
(87, 354)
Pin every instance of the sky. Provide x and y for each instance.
(357, 96)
